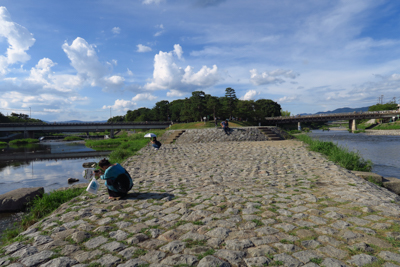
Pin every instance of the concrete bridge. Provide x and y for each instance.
(351, 117)
(30, 128)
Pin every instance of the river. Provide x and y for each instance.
(41, 165)
(383, 151)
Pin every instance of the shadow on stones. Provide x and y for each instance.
(149, 195)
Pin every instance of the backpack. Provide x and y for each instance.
(158, 143)
(122, 183)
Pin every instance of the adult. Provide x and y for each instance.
(118, 180)
(225, 126)
(155, 143)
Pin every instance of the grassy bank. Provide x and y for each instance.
(38, 209)
(388, 126)
(72, 138)
(124, 145)
(340, 155)
(23, 141)
(3, 143)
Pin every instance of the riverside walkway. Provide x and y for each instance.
(222, 204)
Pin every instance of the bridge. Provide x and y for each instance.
(30, 128)
(351, 117)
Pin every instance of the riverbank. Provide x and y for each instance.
(383, 132)
(203, 204)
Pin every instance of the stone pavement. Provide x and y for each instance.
(222, 204)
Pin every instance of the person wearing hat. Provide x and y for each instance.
(225, 126)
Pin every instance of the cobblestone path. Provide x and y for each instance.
(222, 204)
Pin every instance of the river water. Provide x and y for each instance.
(24, 166)
(383, 151)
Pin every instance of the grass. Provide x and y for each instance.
(388, 126)
(340, 155)
(209, 124)
(38, 208)
(23, 141)
(72, 138)
(123, 146)
(3, 143)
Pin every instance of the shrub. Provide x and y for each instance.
(23, 141)
(340, 155)
(72, 138)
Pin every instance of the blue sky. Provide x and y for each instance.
(77, 60)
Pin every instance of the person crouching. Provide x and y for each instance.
(118, 180)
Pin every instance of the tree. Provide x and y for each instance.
(161, 111)
(198, 105)
(116, 119)
(267, 108)
(175, 108)
(4, 119)
(285, 113)
(387, 106)
(213, 105)
(186, 114)
(246, 109)
(230, 100)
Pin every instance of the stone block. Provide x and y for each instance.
(392, 184)
(369, 175)
(17, 199)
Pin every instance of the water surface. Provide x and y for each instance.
(382, 150)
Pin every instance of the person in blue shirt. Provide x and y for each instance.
(118, 180)
(225, 126)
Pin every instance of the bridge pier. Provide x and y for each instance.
(299, 126)
(352, 125)
(112, 133)
(28, 134)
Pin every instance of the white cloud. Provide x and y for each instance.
(144, 97)
(161, 26)
(273, 77)
(148, 2)
(168, 75)
(84, 59)
(129, 72)
(250, 95)
(178, 51)
(142, 48)
(121, 105)
(175, 93)
(286, 99)
(116, 30)
(19, 40)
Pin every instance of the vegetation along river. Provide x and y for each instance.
(383, 151)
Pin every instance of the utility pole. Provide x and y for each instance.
(30, 113)
(110, 113)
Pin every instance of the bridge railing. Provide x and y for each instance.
(85, 123)
(335, 114)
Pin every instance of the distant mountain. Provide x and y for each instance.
(339, 110)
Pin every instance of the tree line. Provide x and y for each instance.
(16, 117)
(201, 105)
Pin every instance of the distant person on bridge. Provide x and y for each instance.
(118, 180)
(225, 126)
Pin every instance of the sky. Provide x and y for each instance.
(89, 60)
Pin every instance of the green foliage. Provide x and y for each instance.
(380, 107)
(23, 141)
(285, 113)
(388, 126)
(72, 138)
(340, 155)
(3, 143)
(39, 208)
(123, 146)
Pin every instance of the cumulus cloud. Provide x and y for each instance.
(144, 97)
(142, 48)
(273, 77)
(168, 75)
(121, 105)
(89, 69)
(250, 95)
(19, 41)
(178, 51)
(175, 93)
(116, 30)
